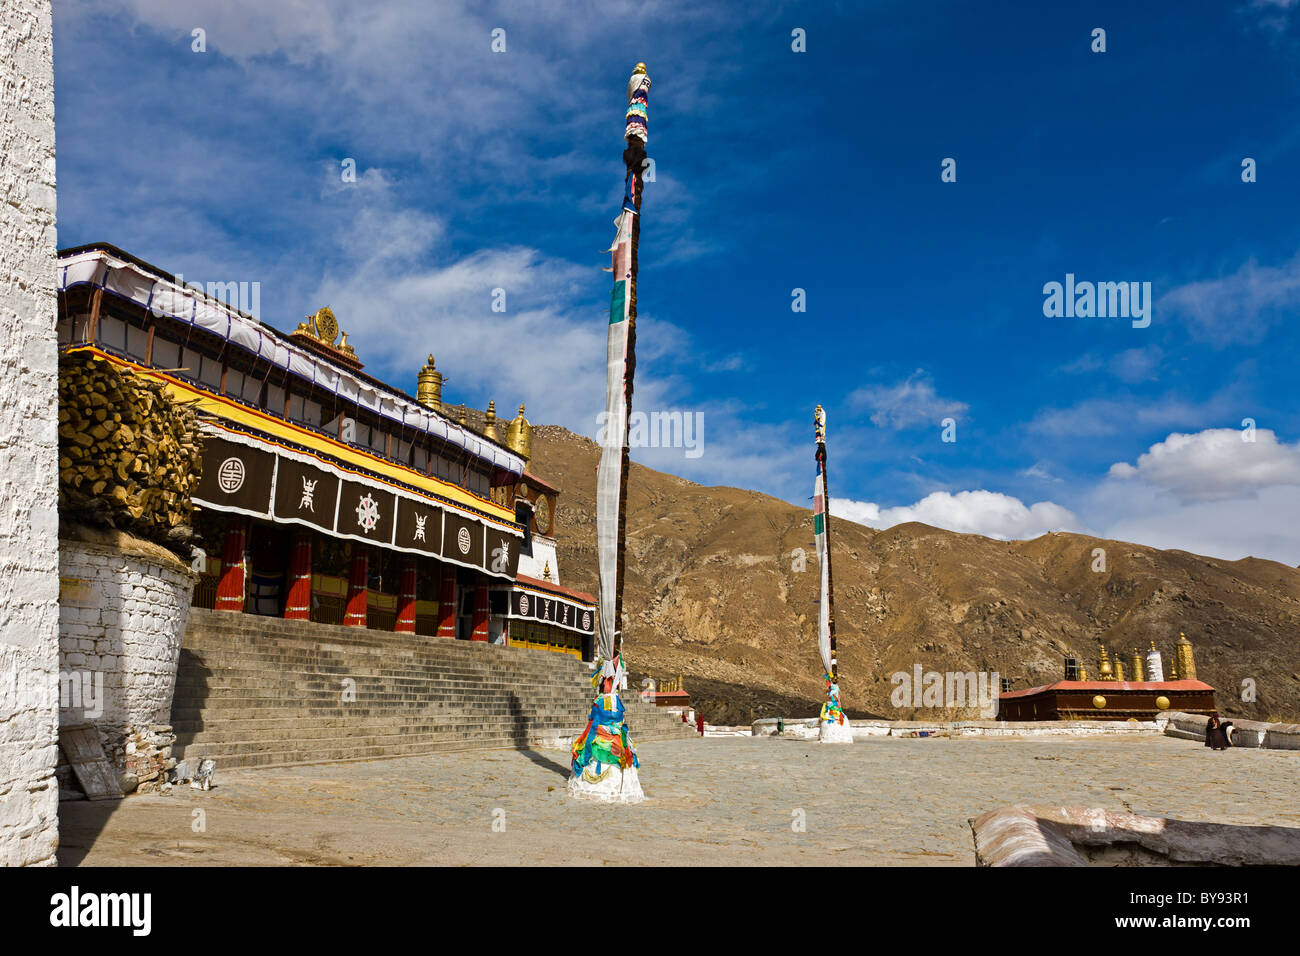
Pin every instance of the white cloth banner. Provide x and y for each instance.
(609, 475)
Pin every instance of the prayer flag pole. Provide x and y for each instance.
(604, 758)
(834, 726)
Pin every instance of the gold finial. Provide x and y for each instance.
(490, 422)
(464, 418)
(546, 571)
(1119, 668)
(519, 436)
(1136, 663)
(1104, 671)
(428, 390)
(1186, 659)
(640, 68)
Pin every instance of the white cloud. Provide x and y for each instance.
(908, 403)
(988, 513)
(1237, 308)
(1215, 464)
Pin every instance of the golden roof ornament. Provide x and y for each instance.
(490, 422)
(1135, 662)
(1186, 659)
(519, 436)
(428, 390)
(321, 325)
(463, 417)
(1104, 671)
(546, 571)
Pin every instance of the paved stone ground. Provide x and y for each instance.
(729, 801)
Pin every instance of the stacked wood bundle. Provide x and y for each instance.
(129, 457)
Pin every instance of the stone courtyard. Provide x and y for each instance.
(715, 801)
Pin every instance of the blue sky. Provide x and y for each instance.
(775, 170)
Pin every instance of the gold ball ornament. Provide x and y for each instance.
(1099, 702)
(1162, 702)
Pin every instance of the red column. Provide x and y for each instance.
(355, 614)
(297, 605)
(230, 589)
(447, 604)
(406, 598)
(480, 632)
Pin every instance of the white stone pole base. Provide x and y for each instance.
(833, 732)
(612, 785)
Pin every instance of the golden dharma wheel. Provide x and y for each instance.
(1162, 702)
(1099, 702)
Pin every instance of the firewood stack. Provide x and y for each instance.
(129, 457)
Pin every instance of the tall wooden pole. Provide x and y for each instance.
(830, 580)
(634, 161)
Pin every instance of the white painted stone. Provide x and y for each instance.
(834, 732)
(614, 786)
(29, 522)
(137, 656)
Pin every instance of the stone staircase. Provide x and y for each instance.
(257, 691)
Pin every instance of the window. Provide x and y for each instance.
(165, 354)
(234, 383)
(252, 392)
(210, 373)
(274, 395)
(112, 333)
(137, 343)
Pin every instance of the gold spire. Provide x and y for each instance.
(490, 422)
(640, 68)
(1119, 668)
(546, 571)
(1104, 671)
(428, 391)
(463, 417)
(1186, 660)
(1136, 663)
(519, 436)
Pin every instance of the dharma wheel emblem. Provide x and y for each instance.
(368, 513)
(462, 540)
(586, 620)
(230, 476)
(523, 604)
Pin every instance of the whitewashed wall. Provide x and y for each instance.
(123, 608)
(29, 799)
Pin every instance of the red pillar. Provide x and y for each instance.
(355, 615)
(406, 598)
(297, 605)
(230, 589)
(480, 632)
(447, 604)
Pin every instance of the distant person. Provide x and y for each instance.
(699, 723)
(1218, 736)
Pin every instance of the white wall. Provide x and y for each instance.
(122, 613)
(29, 649)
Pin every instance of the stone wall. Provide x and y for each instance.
(806, 728)
(1245, 733)
(124, 604)
(28, 439)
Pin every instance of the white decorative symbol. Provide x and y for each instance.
(308, 489)
(501, 557)
(463, 540)
(230, 476)
(367, 513)
(419, 527)
(523, 604)
(586, 620)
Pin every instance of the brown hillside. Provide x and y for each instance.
(711, 594)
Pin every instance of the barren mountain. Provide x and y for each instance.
(714, 592)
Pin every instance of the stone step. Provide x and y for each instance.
(266, 692)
